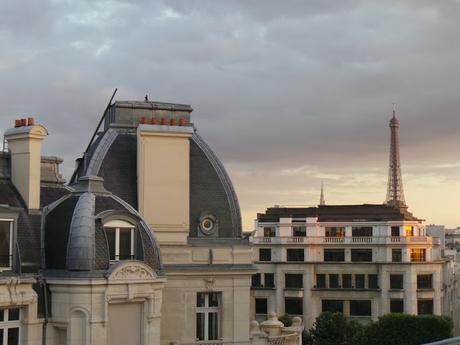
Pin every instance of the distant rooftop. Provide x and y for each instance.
(339, 213)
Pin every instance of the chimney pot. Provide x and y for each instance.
(163, 121)
(23, 122)
(17, 123)
(144, 120)
(30, 121)
(154, 120)
(172, 122)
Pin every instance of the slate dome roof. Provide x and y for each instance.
(75, 239)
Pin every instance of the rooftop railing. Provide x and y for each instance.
(353, 240)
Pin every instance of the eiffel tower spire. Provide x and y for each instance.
(395, 192)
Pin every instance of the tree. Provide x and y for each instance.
(333, 329)
(404, 329)
(286, 319)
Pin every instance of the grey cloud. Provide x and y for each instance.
(275, 85)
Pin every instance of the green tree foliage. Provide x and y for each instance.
(286, 319)
(333, 329)
(391, 329)
(404, 329)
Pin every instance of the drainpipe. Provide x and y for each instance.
(43, 286)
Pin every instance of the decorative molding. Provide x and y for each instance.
(133, 271)
(209, 283)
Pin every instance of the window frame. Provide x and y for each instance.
(7, 324)
(293, 281)
(418, 254)
(117, 224)
(207, 310)
(395, 252)
(264, 256)
(295, 250)
(361, 255)
(334, 251)
(425, 281)
(292, 300)
(396, 286)
(12, 222)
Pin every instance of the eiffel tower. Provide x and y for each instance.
(395, 192)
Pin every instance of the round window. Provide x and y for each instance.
(207, 224)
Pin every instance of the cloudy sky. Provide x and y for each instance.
(288, 93)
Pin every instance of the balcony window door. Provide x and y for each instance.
(335, 231)
(207, 316)
(6, 244)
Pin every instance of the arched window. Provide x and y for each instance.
(121, 239)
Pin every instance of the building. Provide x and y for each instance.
(143, 246)
(363, 260)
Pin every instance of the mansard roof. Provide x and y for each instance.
(340, 213)
(113, 156)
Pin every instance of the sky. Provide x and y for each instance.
(289, 94)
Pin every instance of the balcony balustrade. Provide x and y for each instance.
(374, 240)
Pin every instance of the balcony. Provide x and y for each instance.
(348, 240)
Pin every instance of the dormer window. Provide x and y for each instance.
(121, 238)
(6, 243)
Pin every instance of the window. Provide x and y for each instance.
(6, 243)
(396, 255)
(256, 281)
(409, 230)
(299, 231)
(265, 254)
(359, 281)
(9, 326)
(360, 308)
(333, 281)
(418, 254)
(295, 254)
(269, 231)
(346, 281)
(294, 281)
(361, 231)
(335, 231)
(269, 280)
(120, 237)
(207, 316)
(293, 306)
(321, 281)
(397, 306)
(334, 255)
(332, 305)
(261, 306)
(396, 281)
(395, 231)
(373, 281)
(364, 255)
(424, 306)
(424, 281)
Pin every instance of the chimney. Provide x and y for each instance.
(24, 143)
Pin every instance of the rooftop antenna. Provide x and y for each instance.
(92, 138)
(146, 98)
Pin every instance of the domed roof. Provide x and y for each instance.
(75, 236)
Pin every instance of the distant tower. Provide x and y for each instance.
(395, 193)
(321, 197)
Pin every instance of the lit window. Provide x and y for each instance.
(418, 254)
(409, 231)
(120, 236)
(6, 243)
(207, 316)
(9, 326)
(335, 231)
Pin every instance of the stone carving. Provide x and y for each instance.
(132, 272)
(209, 283)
